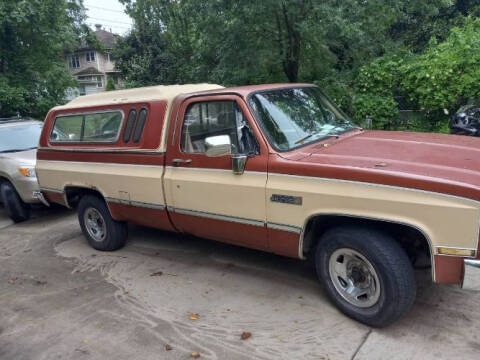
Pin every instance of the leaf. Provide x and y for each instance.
(194, 355)
(245, 335)
(158, 273)
(193, 316)
(168, 347)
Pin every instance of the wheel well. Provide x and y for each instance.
(411, 239)
(73, 194)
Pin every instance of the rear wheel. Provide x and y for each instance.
(366, 274)
(101, 230)
(16, 209)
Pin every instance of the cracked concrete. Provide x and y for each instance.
(61, 299)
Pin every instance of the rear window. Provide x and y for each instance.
(92, 127)
(142, 118)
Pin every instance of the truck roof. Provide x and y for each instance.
(151, 93)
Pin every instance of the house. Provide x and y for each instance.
(93, 67)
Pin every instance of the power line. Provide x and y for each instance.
(112, 21)
(112, 26)
(102, 8)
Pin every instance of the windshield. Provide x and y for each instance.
(297, 116)
(19, 137)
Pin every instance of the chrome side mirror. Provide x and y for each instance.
(219, 145)
(238, 163)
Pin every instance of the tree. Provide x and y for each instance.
(110, 85)
(33, 37)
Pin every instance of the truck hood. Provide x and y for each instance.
(434, 162)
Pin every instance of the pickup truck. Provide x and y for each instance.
(277, 168)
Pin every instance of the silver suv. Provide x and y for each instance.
(18, 181)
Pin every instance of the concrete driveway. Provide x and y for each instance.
(59, 299)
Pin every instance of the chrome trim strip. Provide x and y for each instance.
(263, 173)
(283, 227)
(471, 277)
(234, 219)
(106, 150)
(102, 163)
(51, 190)
(136, 203)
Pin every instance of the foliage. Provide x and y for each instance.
(33, 37)
(110, 85)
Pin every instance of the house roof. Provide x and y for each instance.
(88, 71)
(106, 37)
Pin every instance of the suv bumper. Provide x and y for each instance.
(471, 277)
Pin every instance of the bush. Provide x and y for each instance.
(380, 108)
(110, 85)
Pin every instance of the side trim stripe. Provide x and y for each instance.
(136, 203)
(235, 219)
(283, 227)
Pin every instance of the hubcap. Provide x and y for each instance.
(95, 224)
(354, 277)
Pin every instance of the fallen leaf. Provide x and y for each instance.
(194, 316)
(158, 273)
(195, 355)
(168, 347)
(245, 335)
(12, 280)
(85, 341)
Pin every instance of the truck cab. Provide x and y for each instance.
(277, 168)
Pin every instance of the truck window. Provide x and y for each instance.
(91, 127)
(205, 119)
(132, 116)
(142, 118)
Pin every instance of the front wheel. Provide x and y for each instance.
(101, 230)
(366, 273)
(16, 209)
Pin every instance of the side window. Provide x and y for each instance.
(142, 118)
(91, 127)
(132, 116)
(206, 119)
(102, 127)
(67, 128)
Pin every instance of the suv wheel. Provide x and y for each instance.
(101, 230)
(16, 209)
(366, 273)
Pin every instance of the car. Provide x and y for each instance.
(466, 121)
(19, 188)
(278, 168)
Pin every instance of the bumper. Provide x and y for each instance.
(37, 194)
(471, 277)
(26, 187)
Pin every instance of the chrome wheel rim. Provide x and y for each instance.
(354, 277)
(95, 224)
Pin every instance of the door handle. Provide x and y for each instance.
(177, 162)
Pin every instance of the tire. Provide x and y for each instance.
(16, 209)
(101, 230)
(375, 265)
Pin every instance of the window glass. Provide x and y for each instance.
(74, 61)
(297, 116)
(67, 128)
(206, 119)
(130, 124)
(142, 118)
(102, 126)
(91, 56)
(19, 137)
(97, 127)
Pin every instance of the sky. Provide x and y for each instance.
(109, 13)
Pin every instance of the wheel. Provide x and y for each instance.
(101, 230)
(16, 209)
(366, 273)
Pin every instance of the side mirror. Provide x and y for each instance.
(219, 145)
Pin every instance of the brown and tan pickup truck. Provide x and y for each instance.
(277, 168)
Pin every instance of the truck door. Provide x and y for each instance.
(204, 196)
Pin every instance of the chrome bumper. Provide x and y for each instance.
(38, 195)
(471, 277)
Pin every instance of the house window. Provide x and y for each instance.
(99, 82)
(90, 56)
(74, 61)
